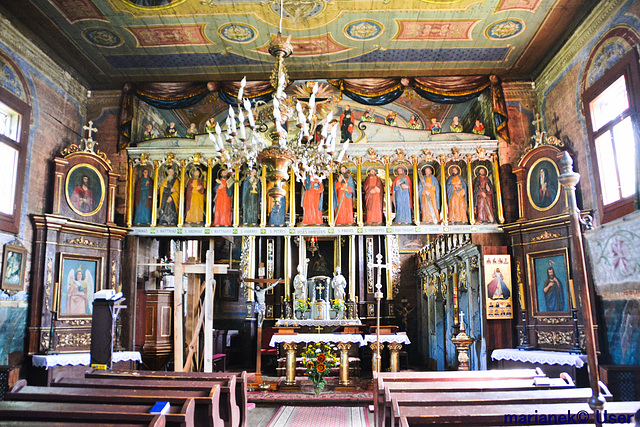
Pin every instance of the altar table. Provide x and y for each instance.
(290, 344)
(394, 343)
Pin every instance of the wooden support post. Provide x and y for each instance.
(178, 337)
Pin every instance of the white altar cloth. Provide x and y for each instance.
(307, 338)
(76, 359)
(540, 356)
(313, 322)
(399, 338)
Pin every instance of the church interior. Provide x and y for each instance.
(272, 213)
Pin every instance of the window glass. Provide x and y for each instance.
(608, 175)
(624, 142)
(8, 174)
(612, 102)
(9, 122)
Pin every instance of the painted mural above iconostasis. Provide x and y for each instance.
(111, 42)
(409, 111)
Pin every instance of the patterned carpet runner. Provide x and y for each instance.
(330, 416)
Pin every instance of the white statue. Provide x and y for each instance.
(338, 283)
(300, 286)
(260, 293)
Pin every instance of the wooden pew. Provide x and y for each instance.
(569, 395)
(90, 413)
(229, 410)
(380, 378)
(207, 402)
(497, 415)
(241, 381)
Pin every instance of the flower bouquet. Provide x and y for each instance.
(337, 304)
(318, 360)
(302, 305)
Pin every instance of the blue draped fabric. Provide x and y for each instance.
(374, 100)
(173, 104)
(445, 99)
(232, 100)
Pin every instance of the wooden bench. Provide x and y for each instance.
(241, 381)
(501, 415)
(207, 402)
(382, 378)
(229, 410)
(90, 413)
(570, 395)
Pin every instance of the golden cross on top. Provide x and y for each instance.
(90, 129)
(538, 123)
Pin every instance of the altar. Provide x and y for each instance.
(290, 343)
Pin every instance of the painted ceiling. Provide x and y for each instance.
(110, 42)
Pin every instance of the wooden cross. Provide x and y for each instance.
(461, 321)
(90, 129)
(538, 123)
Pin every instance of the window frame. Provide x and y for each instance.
(628, 67)
(11, 223)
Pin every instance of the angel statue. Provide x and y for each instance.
(79, 292)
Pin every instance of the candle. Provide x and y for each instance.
(573, 294)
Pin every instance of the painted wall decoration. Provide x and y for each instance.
(84, 189)
(543, 188)
(499, 290)
(435, 30)
(548, 271)
(171, 35)
(364, 30)
(102, 37)
(80, 277)
(238, 33)
(505, 29)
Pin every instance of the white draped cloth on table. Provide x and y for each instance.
(76, 359)
(398, 338)
(326, 338)
(540, 356)
(313, 322)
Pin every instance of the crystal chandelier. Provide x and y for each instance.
(309, 149)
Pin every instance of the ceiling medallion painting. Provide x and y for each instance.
(78, 10)
(102, 37)
(238, 33)
(505, 29)
(312, 46)
(363, 30)
(170, 35)
(528, 5)
(435, 30)
(298, 10)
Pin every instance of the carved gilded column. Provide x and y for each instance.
(387, 187)
(209, 204)
(416, 199)
(376, 363)
(290, 348)
(154, 207)
(443, 188)
(183, 170)
(332, 214)
(130, 194)
(496, 174)
(344, 362)
(388, 260)
(264, 206)
(236, 198)
(394, 348)
(472, 210)
(352, 271)
(359, 191)
(292, 198)
(287, 268)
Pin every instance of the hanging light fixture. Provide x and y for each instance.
(309, 152)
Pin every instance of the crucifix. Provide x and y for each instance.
(88, 143)
(260, 288)
(378, 296)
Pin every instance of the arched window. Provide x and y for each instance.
(14, 138)
(611, 106)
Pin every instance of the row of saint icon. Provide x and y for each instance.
(433, 198)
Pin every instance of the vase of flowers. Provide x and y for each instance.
(338, 305)
(301, 307)
(318, 359)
